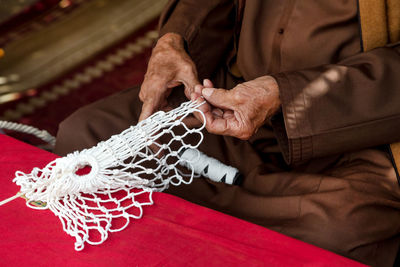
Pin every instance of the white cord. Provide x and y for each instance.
(123, 173)
(202, 164)
(41, 134)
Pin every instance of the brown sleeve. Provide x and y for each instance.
(207, 26)
(336, 108)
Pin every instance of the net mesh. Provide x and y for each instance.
(101, 189)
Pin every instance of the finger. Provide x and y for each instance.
(205, 108)
(172, 84)
(192, 122)
(217, 112)
(190, 81)
(166, 108)
(148, 108)
(152, 95)
(224, 126)
(196, 97)
(212, 120)
(217, 120)
(152, 83)
(228, 114)
(217, 125)
(157, 151)
(219, 98)
(197, 89)
(208, 83)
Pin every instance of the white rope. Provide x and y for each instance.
(41, 134)
(123, 173)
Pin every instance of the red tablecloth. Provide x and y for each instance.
(172, 232)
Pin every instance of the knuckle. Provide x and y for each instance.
(142, 96)
(238, 96)
(173, 53)
(163, 57)
(187, 68)
(165, 54)
(150, 74)
(159, 49)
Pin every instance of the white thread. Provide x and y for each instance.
(123, 171)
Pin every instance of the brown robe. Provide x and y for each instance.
(327, 182)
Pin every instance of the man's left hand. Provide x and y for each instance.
(239, 112)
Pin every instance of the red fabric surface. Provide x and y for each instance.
(172, 232)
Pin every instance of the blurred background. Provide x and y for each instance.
(59, 55)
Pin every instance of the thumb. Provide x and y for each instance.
(190, 82)
(220, 98)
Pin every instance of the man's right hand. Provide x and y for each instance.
(169, 66)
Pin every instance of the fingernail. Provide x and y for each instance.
(207, 91)
(198, 88)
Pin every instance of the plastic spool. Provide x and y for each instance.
(210, 167)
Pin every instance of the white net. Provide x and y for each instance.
(99, 190)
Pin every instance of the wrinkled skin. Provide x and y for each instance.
(169, 66)
(238, 112)
(241, 111)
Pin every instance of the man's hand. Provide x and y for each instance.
(241, 111)
(169, 66)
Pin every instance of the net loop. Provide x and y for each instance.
(123, 171)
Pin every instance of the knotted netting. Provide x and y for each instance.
(101, 189)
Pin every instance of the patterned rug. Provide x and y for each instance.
(117, 68)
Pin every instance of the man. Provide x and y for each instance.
(292, 102)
